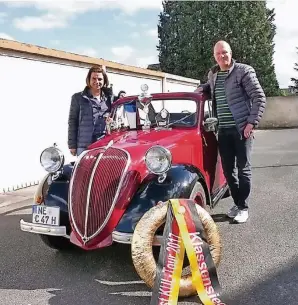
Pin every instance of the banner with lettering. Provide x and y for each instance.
(184, 233)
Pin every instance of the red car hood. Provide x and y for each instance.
(128, 139)
(137, 143)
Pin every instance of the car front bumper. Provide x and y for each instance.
(118, 237)
(43, 229)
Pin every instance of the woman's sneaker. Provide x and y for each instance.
(232, 213)
(242, 216)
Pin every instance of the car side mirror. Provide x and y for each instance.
(210, 124)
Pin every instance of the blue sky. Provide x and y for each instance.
(122, 31)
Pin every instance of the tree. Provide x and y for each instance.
(295, 80)
(188, 30)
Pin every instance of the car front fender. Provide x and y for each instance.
(179, 183)
(57, 194)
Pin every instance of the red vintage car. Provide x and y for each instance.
(157, 147)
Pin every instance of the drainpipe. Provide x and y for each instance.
(164, 89)
(164, 84)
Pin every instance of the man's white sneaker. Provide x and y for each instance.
(233, 212)
(242, 216)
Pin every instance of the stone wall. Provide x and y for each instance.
(281, 112)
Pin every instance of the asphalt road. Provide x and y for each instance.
(260, 258)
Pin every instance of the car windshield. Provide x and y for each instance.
(161, 113)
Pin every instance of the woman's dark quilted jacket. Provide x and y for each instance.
(80, 120)
(245, 96)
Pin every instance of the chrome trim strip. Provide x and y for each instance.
(40, 188)
(110, 144)
(116, 195)
(219, 195)
(126, 238)
(43, 229)
(85, 237)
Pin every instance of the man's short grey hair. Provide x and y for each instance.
(223, 42)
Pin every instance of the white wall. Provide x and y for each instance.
(132, 85)
(178, 83)
(176, 86)
(35, 99)
(34, 105)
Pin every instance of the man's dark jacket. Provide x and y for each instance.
(244, 94)
(80, 120)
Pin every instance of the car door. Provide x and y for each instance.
(211, 158)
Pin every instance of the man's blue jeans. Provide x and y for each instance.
(235, 154)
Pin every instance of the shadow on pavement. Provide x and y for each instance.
(221, 218)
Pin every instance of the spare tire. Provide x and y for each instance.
(142, 246)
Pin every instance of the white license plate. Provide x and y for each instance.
(46, 215)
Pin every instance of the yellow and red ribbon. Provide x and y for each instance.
(182, 221)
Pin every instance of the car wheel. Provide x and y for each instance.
(198, 195)
(57, 242)
(142, 246)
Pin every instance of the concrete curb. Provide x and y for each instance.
(17, 196)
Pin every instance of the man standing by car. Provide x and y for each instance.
(88, 111)
(239, 104)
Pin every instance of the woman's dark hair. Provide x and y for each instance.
(97, 69)
(121, 91)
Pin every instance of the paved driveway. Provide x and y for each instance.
(260, 259)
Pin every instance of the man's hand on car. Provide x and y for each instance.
(199, 89)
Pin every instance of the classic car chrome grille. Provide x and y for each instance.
(95, 187)
(79, 189)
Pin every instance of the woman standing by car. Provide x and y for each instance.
(88, 111)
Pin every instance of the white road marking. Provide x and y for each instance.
(119, 283)
(133, 293)
(147, 294)
(28, 297)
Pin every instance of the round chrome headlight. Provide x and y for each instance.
(158, 160)
(52, 159)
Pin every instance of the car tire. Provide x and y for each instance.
(56, 242)
(142, 246)
(198, 195)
